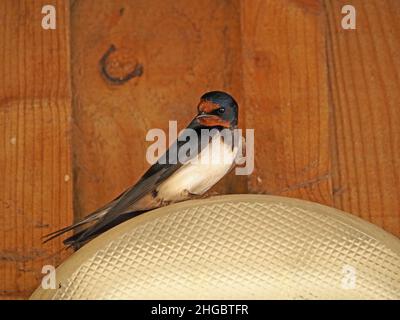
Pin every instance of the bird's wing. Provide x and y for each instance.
(155, 175)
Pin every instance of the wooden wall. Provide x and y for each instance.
(35, 157)
(324, 103)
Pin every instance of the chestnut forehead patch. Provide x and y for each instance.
(208, 106)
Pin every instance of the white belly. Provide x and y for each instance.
(200, 174)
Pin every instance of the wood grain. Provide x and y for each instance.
(183, 51)
(364, 68)
(324, 103)
(35, 193)
(286, 97)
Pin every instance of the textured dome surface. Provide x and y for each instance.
(235, 247)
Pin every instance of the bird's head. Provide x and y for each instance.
(217, 109)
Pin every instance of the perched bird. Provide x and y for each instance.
(167, 181)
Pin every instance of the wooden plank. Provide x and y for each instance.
(364, 68)
(35, 169)
(286, 97)
(179, 50)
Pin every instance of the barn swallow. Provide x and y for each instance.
(168, 182)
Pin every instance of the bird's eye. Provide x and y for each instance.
(221, 110)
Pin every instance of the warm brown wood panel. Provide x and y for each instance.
(364, 74)
(286, 96)
(35, 170)
(324, 103)
(179, 50)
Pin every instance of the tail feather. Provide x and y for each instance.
(90, 218)
(82, 237)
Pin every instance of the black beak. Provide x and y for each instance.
(203, 115)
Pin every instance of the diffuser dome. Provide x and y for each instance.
(235, 247)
